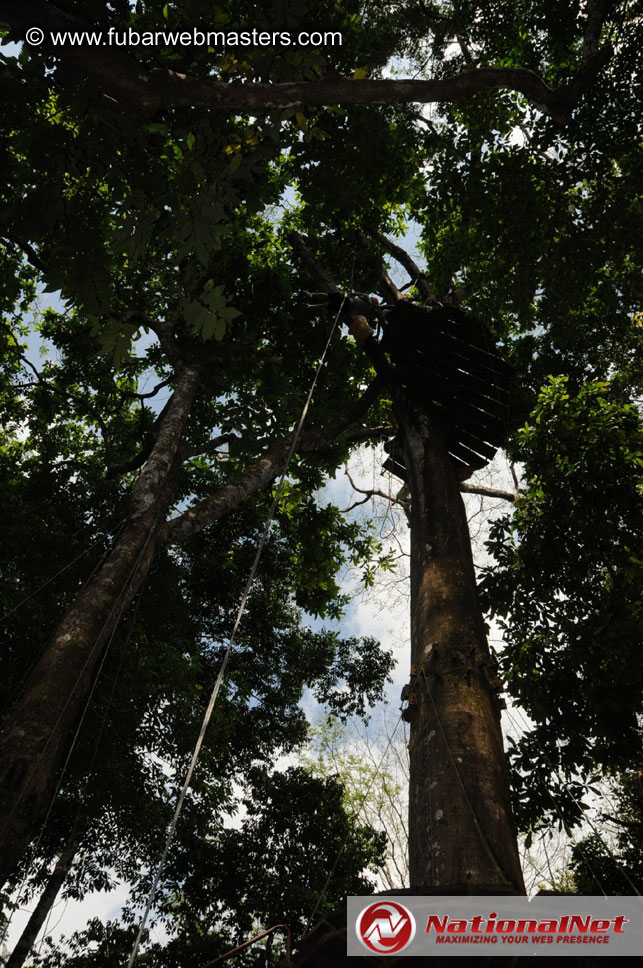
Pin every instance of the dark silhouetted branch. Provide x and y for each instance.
(144, 92)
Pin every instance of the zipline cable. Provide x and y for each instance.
(220, 677)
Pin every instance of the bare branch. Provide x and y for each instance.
(147, 444)
(389, 290)
(145, 396)
(356, 504)
(466, 53)
(123, 467)
(488, 492)
(514, 476)
(370, 492)
(622, 823)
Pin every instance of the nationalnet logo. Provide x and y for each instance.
(489, 929)
(385, 927)
(425, 925)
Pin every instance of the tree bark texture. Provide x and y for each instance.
(460, 830)
(34, 924)
(36, 733)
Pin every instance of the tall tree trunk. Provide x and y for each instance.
(34, 924)
(35, 735)
(460, 831)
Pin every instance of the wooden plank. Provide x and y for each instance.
(468, 329)
(420, 326)
(487, 427)
(488, 366)
(435, 384)
(475, 443)
(492, 433)
(427, 373)
(452, 342)
(397, 469)
(450, 364)
(482, 378)
(467, 456)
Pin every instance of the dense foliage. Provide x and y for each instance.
(567, 582)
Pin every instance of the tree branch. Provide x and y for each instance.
(132, 394)
(147, 444)
(164, 331)
(389, 290)
(209, 447)
(68, 395)
(401, 255)
(488, 492)
(369, 493)
(32, 256)
(597, 11)
(622, 823)
(144, 93)
(261, 473)
(169, 427)
(313, 265)
(387, 287)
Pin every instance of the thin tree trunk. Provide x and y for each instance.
(460, 831)
(35, 735)
(36, 732)
(34, 924)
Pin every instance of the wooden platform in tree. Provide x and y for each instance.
(449, 363)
